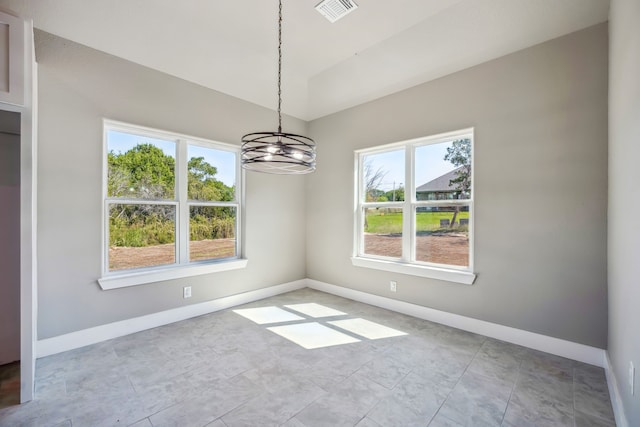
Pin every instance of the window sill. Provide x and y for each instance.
(116, 281)
(448, 275)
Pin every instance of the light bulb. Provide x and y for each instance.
(297, 155)
(268, 157)
(272, 149)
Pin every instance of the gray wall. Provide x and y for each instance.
(78, 87)
(9, 237)
(624, 176)
(540, 118)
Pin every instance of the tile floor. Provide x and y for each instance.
(224, 369)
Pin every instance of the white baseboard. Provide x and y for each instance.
(90, 336)
(614, 393)
(568, 349)
(571, 350)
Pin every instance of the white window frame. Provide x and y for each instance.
(407, 263)
(182, 267)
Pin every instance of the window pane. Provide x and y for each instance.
(140, 167)
(443, 170)
(212, 174)
(383, 176)
(442, 235)
(212, 231)
(383, 232)
(141, 236)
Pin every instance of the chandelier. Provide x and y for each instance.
(278, 152)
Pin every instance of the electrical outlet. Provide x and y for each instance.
(632, 374)
(393, 286)
(186, 292)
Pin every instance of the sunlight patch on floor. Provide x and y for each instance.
(263, 315)
(315, 310)
(367, 329)
(312, 335)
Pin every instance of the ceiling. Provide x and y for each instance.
(382, 47)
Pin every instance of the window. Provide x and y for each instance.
(170, 202)
(427, 229)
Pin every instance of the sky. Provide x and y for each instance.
(224, 161)
(430, 164)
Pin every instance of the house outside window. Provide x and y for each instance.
(414, 207)
(169, 201)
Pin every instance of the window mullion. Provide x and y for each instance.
(382, 204)
(124, 201)
(239, 199)
(408, 221)
(358, 238)
(182, 220)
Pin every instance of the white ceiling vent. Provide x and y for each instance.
(336, 9)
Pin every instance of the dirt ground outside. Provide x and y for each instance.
(123, 258)
(444, 248)
(441, 248)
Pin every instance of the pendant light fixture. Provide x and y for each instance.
(278, 152)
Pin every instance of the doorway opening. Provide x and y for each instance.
(9, 258)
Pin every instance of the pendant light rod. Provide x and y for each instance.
(280, 66)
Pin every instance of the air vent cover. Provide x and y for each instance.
(336, 9)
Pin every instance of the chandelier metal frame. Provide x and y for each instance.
(278, 152)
